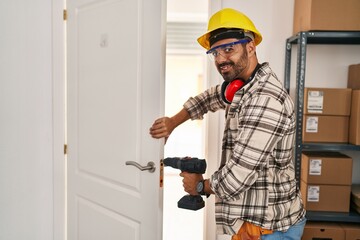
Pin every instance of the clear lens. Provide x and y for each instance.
(225, 50)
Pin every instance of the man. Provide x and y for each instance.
(255, 185)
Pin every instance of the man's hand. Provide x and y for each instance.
(190, 181)
(162, 127)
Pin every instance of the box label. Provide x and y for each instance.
(315, 101)
(313, 193)
(312, 124)
(315, 167)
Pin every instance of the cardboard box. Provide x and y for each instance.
(327, 101)
(352, 231)
(329, 168)
(320, 197)
(325, 129)
(354, 122)
(328, 15)
(354, 77)
(319, 230)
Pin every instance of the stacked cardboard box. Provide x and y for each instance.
(333, 231)
(354, 76)
(328, 15)
(323, 231)
(352, 231)
(323, 176)
(354, 84)
(326, 115)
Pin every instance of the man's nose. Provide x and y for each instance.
(220, 58)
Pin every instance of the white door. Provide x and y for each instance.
(115, 87)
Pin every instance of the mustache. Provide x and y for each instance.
(225, 63)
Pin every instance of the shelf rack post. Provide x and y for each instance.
(299, 102)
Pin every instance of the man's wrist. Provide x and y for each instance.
(200, 187)
(203, 187)
(207, 187)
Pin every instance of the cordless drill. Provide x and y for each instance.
(190, 165)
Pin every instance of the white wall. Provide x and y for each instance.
(180, 10)
(26, 119)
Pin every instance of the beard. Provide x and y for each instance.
(236, 68)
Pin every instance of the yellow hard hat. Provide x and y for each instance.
(229, 18)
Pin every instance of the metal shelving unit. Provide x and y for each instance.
(302, 39)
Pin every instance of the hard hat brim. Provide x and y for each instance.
(205, 43)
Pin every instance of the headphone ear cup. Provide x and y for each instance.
(230, 89)
(223, 92)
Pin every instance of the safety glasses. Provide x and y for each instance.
(226, 50)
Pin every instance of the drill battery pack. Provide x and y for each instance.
(191, 202)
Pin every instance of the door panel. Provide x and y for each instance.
(107, 76)
(115, 91)
(97, 222)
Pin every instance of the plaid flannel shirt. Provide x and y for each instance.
(256, 179)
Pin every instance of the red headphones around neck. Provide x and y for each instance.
(228, 89)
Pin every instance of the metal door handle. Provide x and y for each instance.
(149, 167)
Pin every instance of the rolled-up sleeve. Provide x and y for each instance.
(210, 100)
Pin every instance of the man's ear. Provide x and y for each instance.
(251, 48)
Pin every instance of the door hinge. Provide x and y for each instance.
(65, 149)
(65, 15)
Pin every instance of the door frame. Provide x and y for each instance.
(214, 138)
(58, 122)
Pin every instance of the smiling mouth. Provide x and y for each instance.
(225, 67)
